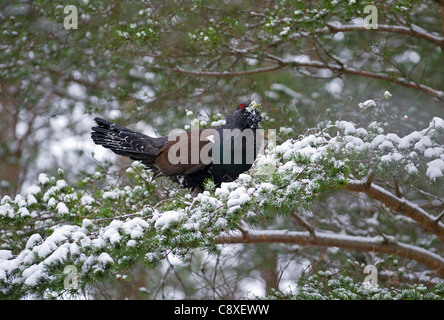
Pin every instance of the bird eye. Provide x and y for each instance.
(241, 106)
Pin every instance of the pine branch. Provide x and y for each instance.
(401, 205)
(343, 69)
(304, 223)
(339, 68)
(229, 74)
(413, 30)
(324, 239)
(439, 217)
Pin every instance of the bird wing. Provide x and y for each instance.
(185, 153)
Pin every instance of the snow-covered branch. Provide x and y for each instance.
(324, 239)
(400, 205)
(412, 30)
(228, 73)
(337, 68)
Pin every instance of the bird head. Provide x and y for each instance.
(246, 115)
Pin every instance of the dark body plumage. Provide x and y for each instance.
(158, 154)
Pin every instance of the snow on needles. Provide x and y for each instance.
(68, 244)
(304, 166)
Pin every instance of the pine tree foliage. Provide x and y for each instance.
(357, 173)
(332, 286)
(102, 228)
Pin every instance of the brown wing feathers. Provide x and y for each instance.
(153, 152)
(171, 161)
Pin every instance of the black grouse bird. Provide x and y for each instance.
(193, 156)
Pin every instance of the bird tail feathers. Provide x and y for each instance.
(124, 141)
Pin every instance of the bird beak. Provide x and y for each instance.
(252, 106)
(254, 116)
